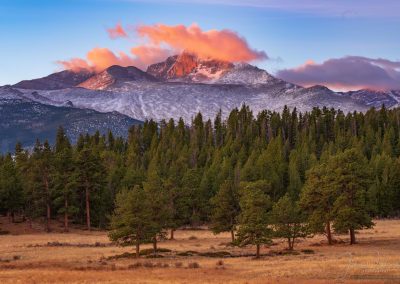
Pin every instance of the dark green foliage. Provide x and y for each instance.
(193, 171)
(317, 199)
(253, 219)
(132, 222)
(351, 178)
(11, 195)
(288, 220)
(225, 209)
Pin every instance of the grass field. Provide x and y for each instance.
(30, 256)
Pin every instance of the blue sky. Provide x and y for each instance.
(36, 34)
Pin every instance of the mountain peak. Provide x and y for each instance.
(55, 81)
(114, 75)
(189, 67)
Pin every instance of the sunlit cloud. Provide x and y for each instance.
(117, 32)
(162, 41)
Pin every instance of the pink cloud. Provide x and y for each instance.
(162, 41)
(117, 32)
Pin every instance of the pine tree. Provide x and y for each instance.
(288, 220)
(350, 179)
(317, 199)
(132, 221)
(64, 183)
(11, 195)
(253, 219)
(159, 205)
(90, 175)
(40, 188)
(225, 209)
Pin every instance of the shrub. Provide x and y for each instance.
(193, 265)
(135, 265)
(307, 251)
(187, 253)
(151, 251)
(216, 254)
(148, 264)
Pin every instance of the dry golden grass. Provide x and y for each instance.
(26, 258)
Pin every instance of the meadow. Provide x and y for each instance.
(28, 255)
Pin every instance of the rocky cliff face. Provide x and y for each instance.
(190, 68)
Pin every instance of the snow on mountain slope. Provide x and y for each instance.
(374, 98)
(24, 120)
(163, 100)
(183, 85)
(243, 73)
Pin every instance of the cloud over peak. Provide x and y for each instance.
(162, 41)
(223, 45)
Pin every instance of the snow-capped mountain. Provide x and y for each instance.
(23, 119)
(188, 67)
(116, 75)
(185, 84)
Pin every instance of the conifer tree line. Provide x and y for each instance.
(275, 174)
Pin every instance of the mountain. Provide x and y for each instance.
(116, 75)
(24, 120)
(187, 67)
(59, 80)
(375, 98)
(183, 85)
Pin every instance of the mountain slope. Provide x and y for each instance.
(187, 67)
(24, 120)
(184, 84)
(114, 76)
(59, 80)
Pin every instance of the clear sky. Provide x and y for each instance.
(302, 39)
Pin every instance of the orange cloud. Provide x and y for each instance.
(99, 59)
(146, 55)
(163, 41)
(117, 32)
(223, 45)
(75, 64)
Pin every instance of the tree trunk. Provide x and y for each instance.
(290, 245)
(329, 233)
(352, 236)
(137, 250)
(155, 246)
(87, 194)
(172, 234)
(232, 236)
(48, 216)
(48, 212)
(66, 229)
(258, 251)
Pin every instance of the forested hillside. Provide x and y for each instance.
(321, 168)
